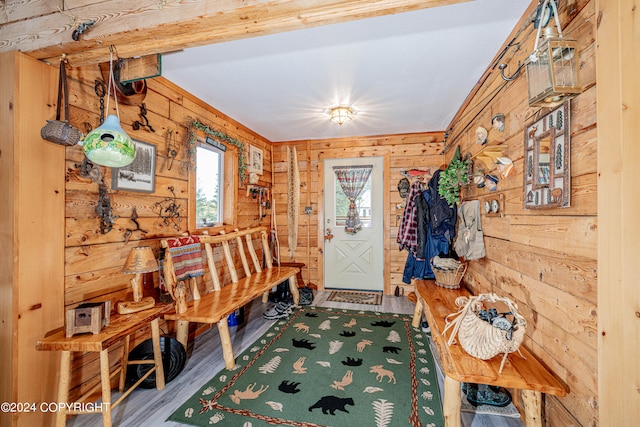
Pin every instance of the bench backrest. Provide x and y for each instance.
(209, 243)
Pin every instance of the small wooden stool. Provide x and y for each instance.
(121, 326)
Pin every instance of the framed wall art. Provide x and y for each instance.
(256, 157)
(547, 173)
(140, 175)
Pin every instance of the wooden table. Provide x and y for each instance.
(120, 327)
(526, 374)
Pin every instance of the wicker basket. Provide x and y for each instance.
(480, 338)
(449, 279)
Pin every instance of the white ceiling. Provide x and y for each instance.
(402, 73)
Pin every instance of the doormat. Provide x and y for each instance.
(356, 297)
(325, 367)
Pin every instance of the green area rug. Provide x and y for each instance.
(325, 367)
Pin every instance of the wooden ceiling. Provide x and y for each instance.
(44, 30)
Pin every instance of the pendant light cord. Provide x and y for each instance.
(112, 83)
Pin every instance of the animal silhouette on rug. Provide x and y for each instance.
(289, 387)
(347, 334)
(352, 362)
(303, 344)
(331, 404)
(391, 349)
(383, 323)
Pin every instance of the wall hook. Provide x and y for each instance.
(81, 29)
(514, 76)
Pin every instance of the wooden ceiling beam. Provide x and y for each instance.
(158, 27)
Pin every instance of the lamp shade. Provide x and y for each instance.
(140, 260)
(109, 145)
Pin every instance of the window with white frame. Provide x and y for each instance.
(209, 185)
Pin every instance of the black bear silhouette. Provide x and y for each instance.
(311, 314)
(352, 362)
(391, 349)
(383, 323)
(303, 344)
(289, 387)
(331, 404)
(347, 334)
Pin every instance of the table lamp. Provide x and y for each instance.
(140, 260)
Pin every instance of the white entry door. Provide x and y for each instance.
(354, 261)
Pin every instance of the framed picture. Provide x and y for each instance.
(140, 175)
(256, 159)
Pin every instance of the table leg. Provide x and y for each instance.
(227, 348)
(532, 402)
(157, 353)
(417, 314)
(293, 287)
(106, 388)
(452, 403)
(63, 387)
(182, 332)
(124, 364)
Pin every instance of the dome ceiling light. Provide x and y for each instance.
(340, 114)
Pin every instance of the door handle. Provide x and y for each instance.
(327, 235)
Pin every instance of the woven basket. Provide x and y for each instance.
(449, 279)
(478, 337)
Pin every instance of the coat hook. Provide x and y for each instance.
(514, 76)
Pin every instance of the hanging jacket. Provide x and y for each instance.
(442, 216)
(469, 242)
(407, 232)
(422, 217)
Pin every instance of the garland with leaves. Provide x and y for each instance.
(193, 140)
(452, 178)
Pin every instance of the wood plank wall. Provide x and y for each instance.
(545, 260)
(618, 39)
(405, 151)
(94, 260)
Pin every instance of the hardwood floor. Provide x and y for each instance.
(148, 407)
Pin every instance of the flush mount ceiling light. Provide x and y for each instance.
(340, 114)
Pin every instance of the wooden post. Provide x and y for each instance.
(215, 280)
(182, 332)
(293, 287)
(106, 388)
(451, 405)
(227, 348)
(532, 402)
(125, 362)
(417, 314)
(157, 353)
(63, 387)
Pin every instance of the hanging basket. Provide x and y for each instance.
(449, 278)
(484, 339)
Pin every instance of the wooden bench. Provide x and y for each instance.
(223, 299)
(526, 374)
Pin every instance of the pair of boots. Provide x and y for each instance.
(480, 394)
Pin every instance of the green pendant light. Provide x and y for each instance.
(108, 144)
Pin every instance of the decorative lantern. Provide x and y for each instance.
(109, 145)
(553, 72)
